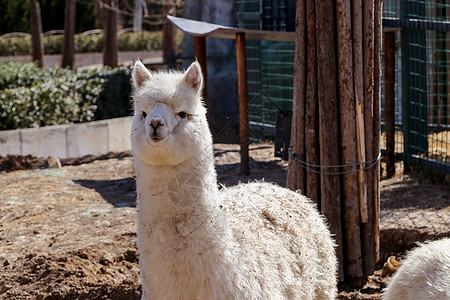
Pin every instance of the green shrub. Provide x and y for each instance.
(144, 41)
(53, 44)
(34, 97)
(15, 46)
(88, 43)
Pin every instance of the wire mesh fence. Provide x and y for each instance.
(422, 53)
(270, 65)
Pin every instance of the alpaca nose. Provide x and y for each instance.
(156, 122)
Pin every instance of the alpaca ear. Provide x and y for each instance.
(140, 74)
(193, 77)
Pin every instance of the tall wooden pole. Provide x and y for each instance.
(312, 187)
(110, 47)
(352, 206)
(330, 189)
(375, 186)
(37, 50)
(296, 174)
(200, 55)
(68, 51)
(137, 17)
(244, 140)
(369, 81)
(389, 106)
(169, 43)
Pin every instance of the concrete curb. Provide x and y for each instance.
(72, 140)
(92, 58)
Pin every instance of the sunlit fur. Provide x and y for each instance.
(252, 241)
(171, 93)
(424, 274)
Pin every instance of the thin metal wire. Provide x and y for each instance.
(310, 167)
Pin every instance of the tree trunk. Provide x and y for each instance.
(169, 43)
(110, 47)
(37, 50)
(137, 18)
(68, 51)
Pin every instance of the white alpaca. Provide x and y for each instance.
(424, 274)
(252, 241)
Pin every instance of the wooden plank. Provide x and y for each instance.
(361, 157)
(244, 140)
(37, 47)
(200, 55)
(296, 174)
(68, 50)
(197, 28)
(358, 78)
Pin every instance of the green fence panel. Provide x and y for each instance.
(422, 74)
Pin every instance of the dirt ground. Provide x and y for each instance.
(70, 232)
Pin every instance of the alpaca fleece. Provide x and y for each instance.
(251, 241)
(424, 274)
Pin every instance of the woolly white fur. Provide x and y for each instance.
(251, 241)
(424, 274)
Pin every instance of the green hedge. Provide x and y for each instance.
(144, 41)
(34, 97)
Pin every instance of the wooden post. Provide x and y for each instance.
(375, 243)
(389, 106)
(169, 42)
(312, 187)
(200, 54)
(68, 51)
(368, 75)
(137, 17)
(328, 115)
(241, 58)
(357, 31)
(110, 33)
(354, 211)
(296, 174)
(37, 51)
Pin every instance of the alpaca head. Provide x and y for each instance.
(169, 124)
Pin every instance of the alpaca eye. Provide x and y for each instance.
(182, 114)
(144, 114)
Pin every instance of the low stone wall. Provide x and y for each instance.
(88, 59)
(73, 140)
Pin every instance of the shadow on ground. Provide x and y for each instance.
(118, 192)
